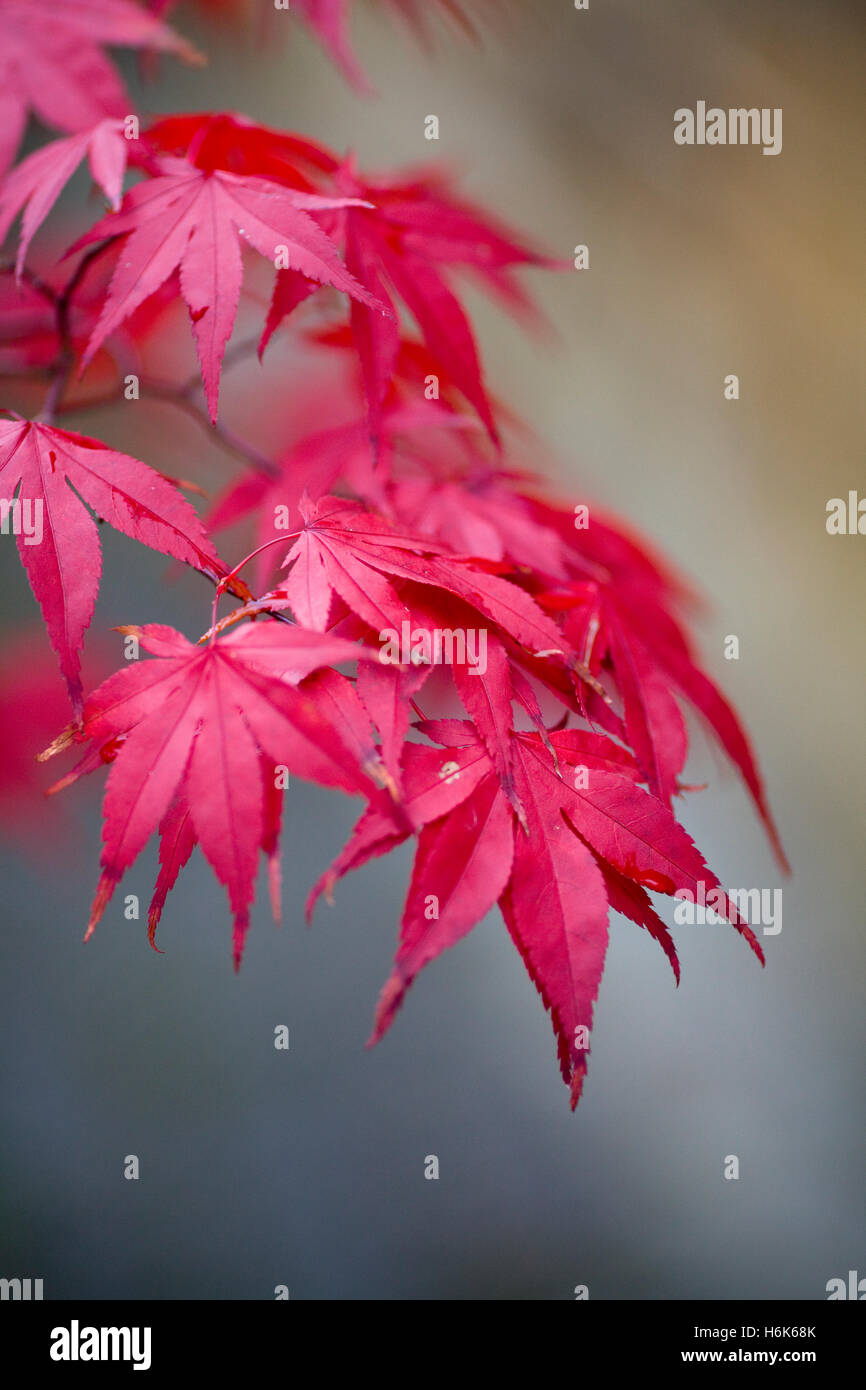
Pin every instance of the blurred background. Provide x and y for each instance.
(306, 1168)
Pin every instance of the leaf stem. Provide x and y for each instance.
(184, 398)
(232, 574)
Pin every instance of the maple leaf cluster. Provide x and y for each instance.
(396, 515)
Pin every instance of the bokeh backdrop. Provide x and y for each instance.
(306, 1167)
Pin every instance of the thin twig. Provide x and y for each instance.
(62, 369)
(184, 398)
(163, 391)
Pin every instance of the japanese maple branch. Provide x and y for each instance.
(182, 397)
(62, 369)
(185, 398)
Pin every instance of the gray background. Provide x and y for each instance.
(306, 1168)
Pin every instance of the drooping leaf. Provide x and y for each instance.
(35, 185)
(583, 844)
(56, 472)
(462, 866)
(199, 729)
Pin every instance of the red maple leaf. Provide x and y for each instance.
(345, 550)
(193, 220)
(226, 140)
(52, 62)
(34, 186)
(401, 235)
(339, 708)
(195, 737)
(58, 540)
(588, 843)
(349, 552)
